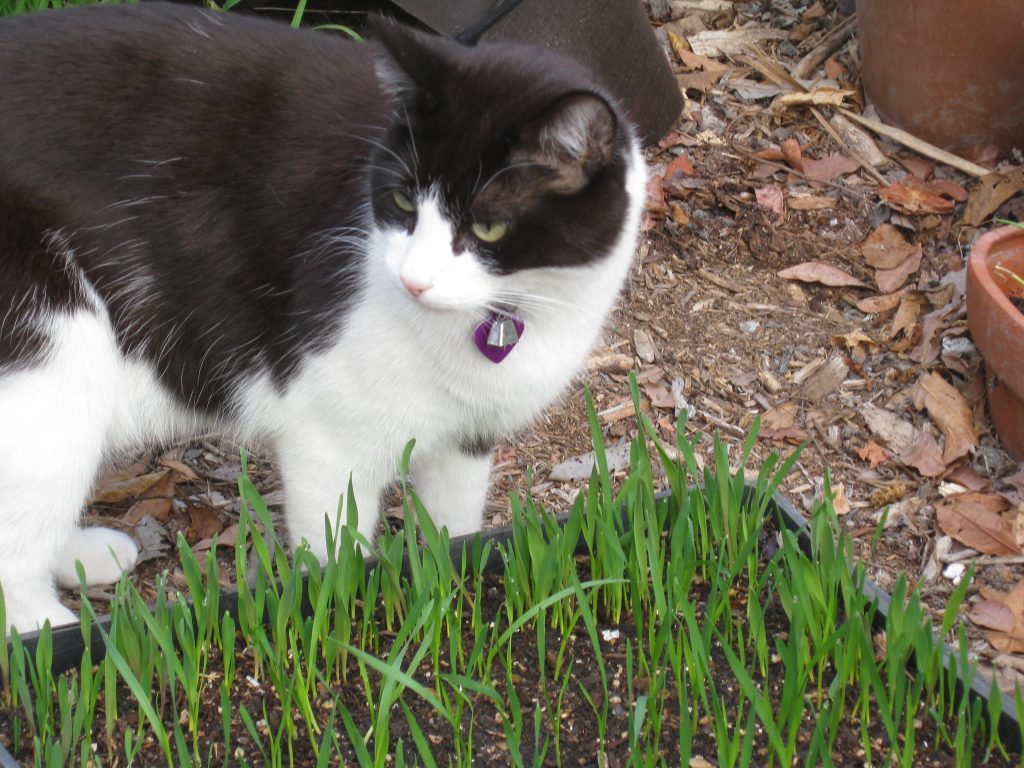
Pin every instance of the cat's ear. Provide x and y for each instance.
(573, 139)
(403, 63)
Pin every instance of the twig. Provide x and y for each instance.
(995, 560)
(918, 145)
(829, 44)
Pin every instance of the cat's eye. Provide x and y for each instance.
(402, 201)
(489, 231)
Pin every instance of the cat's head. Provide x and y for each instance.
(502, 160)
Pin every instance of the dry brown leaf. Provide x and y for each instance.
(969, 479)
(185, 472)
(992, 191)
(908, 314)
(656, 196)
(874, 454)
(778, 417)
(889, 280)
(876, 305)
(914, 201)
(817, 272)
(834, 68)
(886, 248)
(204, 522)
(680, 166)
(992, 614)
(950, 411)
(828, 168)
(660, 396)
(976, 521)
(924, 455)
(129, 488)
(920, 167)
(792, 153)
(783, 436)
(840, 503)
(930, 342)
(1006, 640)
(859, 344)
(771, 197)
(158, 508)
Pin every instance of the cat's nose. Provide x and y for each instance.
(413, 287)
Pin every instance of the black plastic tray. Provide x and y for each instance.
(68, 646)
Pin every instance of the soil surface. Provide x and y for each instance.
(877, 375)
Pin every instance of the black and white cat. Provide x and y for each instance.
(212, 222)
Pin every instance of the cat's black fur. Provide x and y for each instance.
(221, 159)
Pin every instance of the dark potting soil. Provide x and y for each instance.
(1018, 302)
(575, 720)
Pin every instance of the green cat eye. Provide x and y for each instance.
(489, 231)
(402, 201)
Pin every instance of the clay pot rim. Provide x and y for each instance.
(979, 269)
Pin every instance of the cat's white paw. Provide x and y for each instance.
(104, 553)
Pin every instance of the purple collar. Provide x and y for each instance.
(498, 334)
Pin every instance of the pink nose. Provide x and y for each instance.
(414, 289)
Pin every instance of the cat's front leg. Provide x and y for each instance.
(316, 468)
(452, 482)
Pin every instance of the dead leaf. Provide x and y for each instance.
(992, 191)
(833, 68)
(991, 614)
(889, 280)
(129, 488)
(817, 272)
(840, 503)
(680, 166)
(660, 396)
(158, 508)
(928, 346)
(876, 305)
(919, 167)
(969, 479)
(1006, 640)
(914, 201)
(185, 472)
(828, 168)
(792, 154)
(783, 436)
(771, 197)
(153, 539)
(859, 343)
(656, 196)
(908, 314)
(886, 248)
(924, 455)
(644, 345)
(975, 520)
(780, 416)
(950, 411)
(204, 522)
(874, 454)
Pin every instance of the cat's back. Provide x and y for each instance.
(115, 71)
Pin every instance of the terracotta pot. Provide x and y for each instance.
(948, 71)
(997, 327)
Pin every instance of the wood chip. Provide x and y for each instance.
(826, 380)
(731, 42)
(644, 345)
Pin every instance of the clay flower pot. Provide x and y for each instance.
(949, 71)
(997, 327)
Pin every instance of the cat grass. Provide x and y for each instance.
(663, 602)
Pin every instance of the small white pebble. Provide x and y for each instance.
(609, 635)
(954, 572)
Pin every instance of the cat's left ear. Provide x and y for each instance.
(573, 139)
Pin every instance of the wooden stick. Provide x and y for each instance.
(918, 145)
(828, 45)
